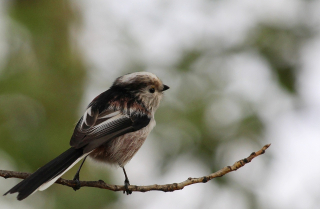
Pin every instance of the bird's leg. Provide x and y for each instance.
(126, 183)
(76, 177)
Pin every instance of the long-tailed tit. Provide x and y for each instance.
(112, 129)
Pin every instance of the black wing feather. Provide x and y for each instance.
(93, 139)
(96, 128)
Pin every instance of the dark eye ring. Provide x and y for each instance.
(152, 90)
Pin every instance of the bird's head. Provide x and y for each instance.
(144, 86)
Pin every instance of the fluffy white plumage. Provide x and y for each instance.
(129, 78)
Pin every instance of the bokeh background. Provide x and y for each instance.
(243, 73)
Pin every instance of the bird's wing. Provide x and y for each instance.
(96, 128)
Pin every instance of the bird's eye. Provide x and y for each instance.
(152, 90)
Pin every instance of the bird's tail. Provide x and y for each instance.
(48, 174)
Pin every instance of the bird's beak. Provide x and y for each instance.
(165, 87)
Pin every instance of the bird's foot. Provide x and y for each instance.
(78, 185)
(126, 187)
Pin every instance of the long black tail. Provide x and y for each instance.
(46, 173)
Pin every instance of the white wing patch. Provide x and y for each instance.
(84, 119)
(109, 120)
(90, 115)
(104, 125)
(110, 115)
(89, 111)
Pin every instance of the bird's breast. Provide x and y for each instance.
(121, 149)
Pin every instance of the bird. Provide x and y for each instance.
(112, 129)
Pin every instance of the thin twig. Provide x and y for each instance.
(165, 188)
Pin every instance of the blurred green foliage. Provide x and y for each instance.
(42, 85)
(280, 47)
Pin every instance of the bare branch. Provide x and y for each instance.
(165, 188)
